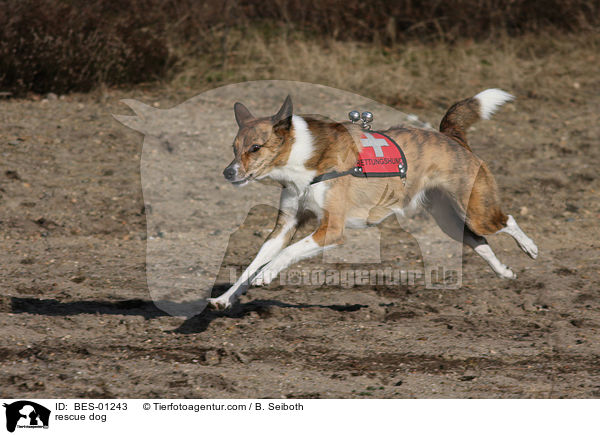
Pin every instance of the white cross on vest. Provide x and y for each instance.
(376, 144)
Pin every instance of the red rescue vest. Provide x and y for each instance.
(380, 156)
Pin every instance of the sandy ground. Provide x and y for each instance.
(77, 317)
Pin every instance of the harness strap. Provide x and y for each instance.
(333, 174)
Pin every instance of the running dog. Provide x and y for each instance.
(444, 176)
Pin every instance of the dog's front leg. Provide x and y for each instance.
(281, 235)
(328, 235)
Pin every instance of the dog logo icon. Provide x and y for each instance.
(26, 414)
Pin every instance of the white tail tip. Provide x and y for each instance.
(490, 100)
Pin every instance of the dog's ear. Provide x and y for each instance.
(242, 114)
(284, 116)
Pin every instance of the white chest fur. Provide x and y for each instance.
(294, 173)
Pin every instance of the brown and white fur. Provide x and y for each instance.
(444, 176)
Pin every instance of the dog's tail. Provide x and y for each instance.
(467, 112)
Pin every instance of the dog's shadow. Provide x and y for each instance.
(148, 310)
(262, 307)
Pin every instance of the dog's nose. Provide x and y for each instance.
(229, 173)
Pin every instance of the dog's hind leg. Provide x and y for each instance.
(485, 251)
(484, 215)
(444, 211)
(524, 242)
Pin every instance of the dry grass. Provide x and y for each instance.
(542, 67)
(63, 46)
(76, 45)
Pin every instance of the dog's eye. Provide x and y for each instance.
(254, 148)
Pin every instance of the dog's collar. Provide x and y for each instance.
(380, 156)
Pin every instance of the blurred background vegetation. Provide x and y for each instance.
(63, 46)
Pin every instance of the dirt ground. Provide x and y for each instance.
(77, 319)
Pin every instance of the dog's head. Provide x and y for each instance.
(261, 144)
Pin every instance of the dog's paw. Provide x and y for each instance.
(506, 273)
(219, 304)
(529, 248)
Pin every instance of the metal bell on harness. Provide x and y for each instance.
(366, 117)
(354, 116)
